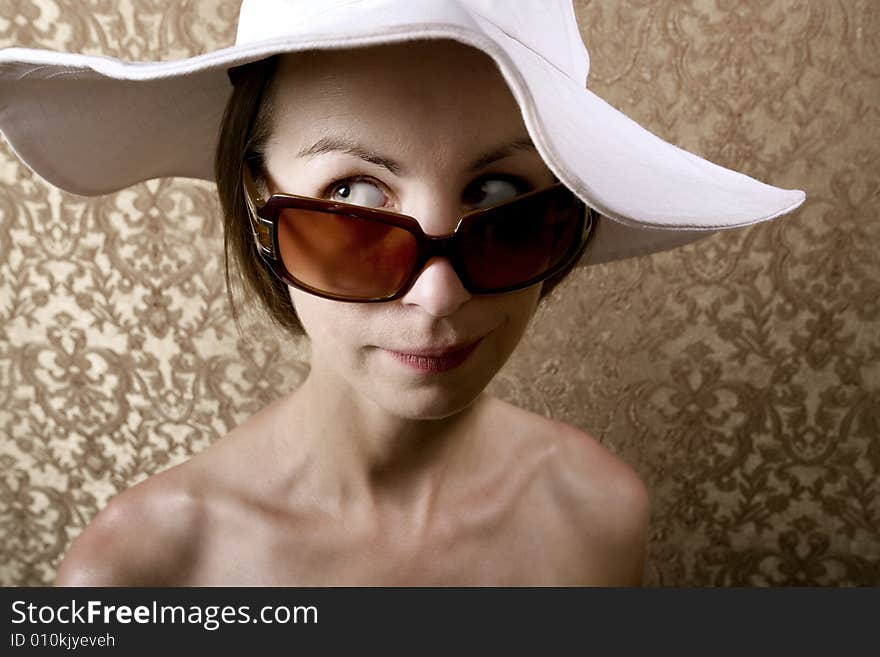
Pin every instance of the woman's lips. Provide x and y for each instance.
(447, 361)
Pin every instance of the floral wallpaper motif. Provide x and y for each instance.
(740, 375)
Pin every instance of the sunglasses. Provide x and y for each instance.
(352, 253)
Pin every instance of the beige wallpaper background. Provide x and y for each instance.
(739, 375)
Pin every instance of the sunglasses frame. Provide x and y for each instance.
(264, 214)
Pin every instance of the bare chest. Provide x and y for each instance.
(493, 542)
(510, 520)
(505, 559)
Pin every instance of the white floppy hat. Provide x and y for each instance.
(94, 125)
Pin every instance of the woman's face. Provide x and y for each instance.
(428, 129)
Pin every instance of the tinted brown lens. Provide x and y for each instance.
(344, 255)
(521, 241)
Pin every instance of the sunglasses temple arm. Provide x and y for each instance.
(262, 230)
(250, 189)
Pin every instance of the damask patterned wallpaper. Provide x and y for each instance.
(740, 375)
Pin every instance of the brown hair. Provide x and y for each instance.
(244, 131)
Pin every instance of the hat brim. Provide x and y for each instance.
(94, 125)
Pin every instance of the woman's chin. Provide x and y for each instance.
(424, 402)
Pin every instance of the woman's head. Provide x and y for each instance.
(428, 129)
(456, 82)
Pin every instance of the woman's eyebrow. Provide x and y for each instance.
(500, 152)
(349, 146)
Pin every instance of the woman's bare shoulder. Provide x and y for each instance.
(147, 535)
(612, 504)
(590, 469)
(600, 473)
(603, 497)
(152, 533)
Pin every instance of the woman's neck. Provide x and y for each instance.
(363, 457)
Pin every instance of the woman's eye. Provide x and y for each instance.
(492, 191)
(357, 192)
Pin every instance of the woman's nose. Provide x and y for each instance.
(437, 289)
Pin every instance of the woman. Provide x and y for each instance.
(389, 465)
